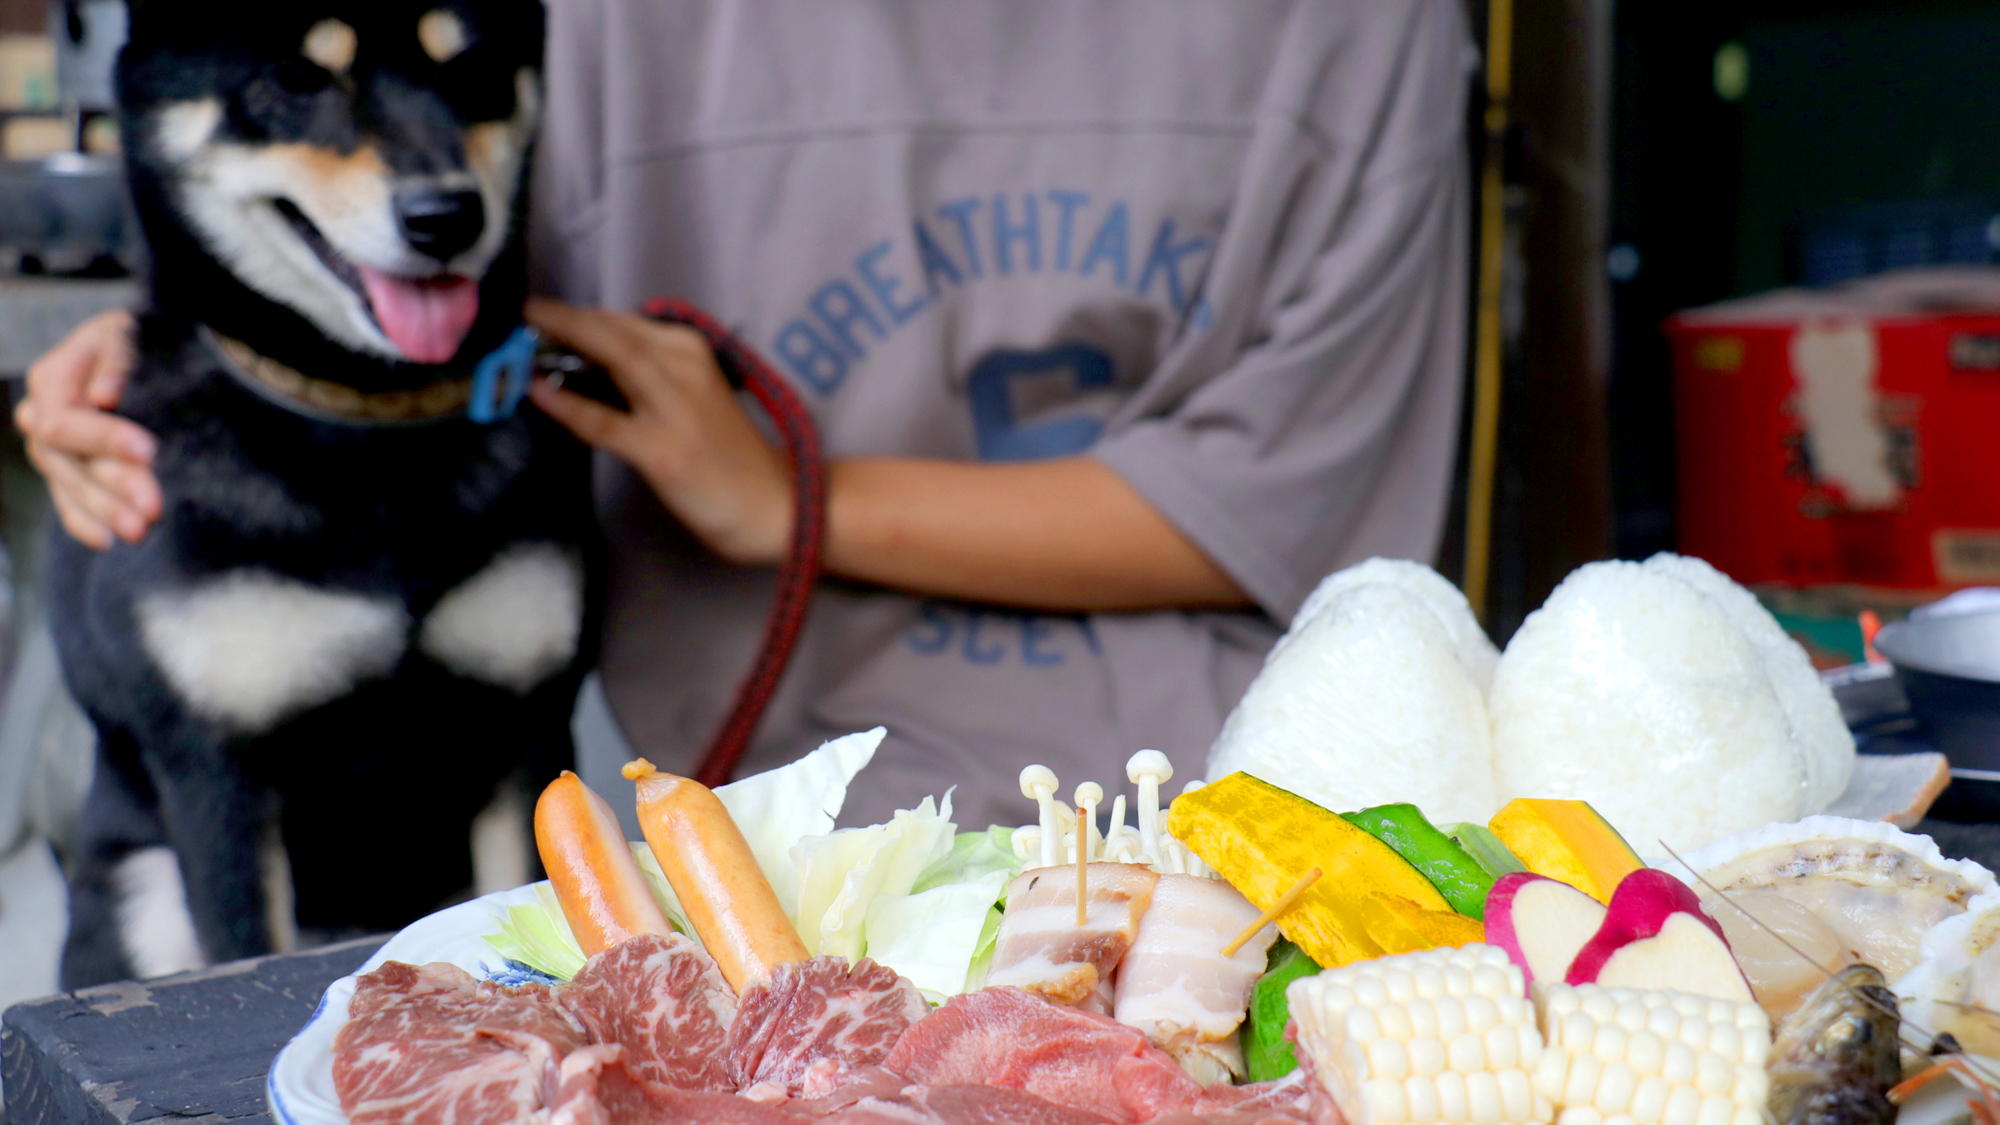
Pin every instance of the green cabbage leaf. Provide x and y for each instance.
(537, 935)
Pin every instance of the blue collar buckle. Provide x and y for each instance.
(502, 377)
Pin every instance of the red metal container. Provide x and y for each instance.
(1844, 436)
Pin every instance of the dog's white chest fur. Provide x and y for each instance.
(514, 623)
(250, 648)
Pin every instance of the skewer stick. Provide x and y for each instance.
(1088, 796)
(1283, 904)
(1082, 866)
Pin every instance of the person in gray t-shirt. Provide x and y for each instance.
(1123, 324)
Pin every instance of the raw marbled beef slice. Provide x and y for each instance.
(597, 1089)
(430, 1044)
(814, 1023)
(660, 997)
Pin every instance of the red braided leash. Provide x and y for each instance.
(799, 572)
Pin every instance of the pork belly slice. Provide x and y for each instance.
(597, 1088)
(1043, 950)
(431, 1044)
(1007, 1037)
(1175, 985)
(815, 1023)
(659, 996)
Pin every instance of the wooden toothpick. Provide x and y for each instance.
(1082, 865)
(1283, 904)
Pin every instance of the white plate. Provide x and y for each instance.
(300, 1085)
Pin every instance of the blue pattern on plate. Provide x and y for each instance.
(514, 974)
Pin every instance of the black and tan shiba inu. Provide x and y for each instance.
(361, 607)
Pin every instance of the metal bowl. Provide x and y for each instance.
(1949, 667)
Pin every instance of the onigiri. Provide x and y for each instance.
(1656, 693)
(1475, 650)
(1825, 743)
(1369, 699)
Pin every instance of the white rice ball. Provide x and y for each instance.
(1475, 650)
(1813, 715)
(1635, 690)
(1367, 702)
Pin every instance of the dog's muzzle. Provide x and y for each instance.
(439, 224)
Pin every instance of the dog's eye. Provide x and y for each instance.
(297, 76)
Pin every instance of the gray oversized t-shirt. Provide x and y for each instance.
(1218, 244)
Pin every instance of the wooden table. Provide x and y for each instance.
(193, 1047)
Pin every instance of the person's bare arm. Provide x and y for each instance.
(1064, 534)
(98, 465)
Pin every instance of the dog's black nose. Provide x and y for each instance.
(440, 224)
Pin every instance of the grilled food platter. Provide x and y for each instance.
(1315, 931)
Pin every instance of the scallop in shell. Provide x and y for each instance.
(1955, 988)
(1838, 891)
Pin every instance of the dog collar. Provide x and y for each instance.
(496, 387)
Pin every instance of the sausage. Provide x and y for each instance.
(725, 894)
(590, 865)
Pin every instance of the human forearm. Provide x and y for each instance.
(1065, 534)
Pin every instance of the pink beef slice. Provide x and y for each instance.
(814, 1023)
(661, 998)
(1246, 1116)
(598, 1089)
(432, 1045)
(963, 1105)
(1278, 1099)
(1285, 1101)
(1006, 1037)
(866, 1082)
(881, 1111)
(998, 1105)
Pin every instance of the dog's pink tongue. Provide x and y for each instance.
(428, 318)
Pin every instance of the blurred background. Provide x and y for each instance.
(1749, 310)
(1687, 159)
(67, 251)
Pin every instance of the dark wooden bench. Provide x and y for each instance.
(194, 1047)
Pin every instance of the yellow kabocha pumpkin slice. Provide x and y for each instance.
(1369, 901)
(1444, 927)
(1567, 841)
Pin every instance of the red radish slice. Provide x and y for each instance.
(1540, 922)
(427, 318)
(1655, 935)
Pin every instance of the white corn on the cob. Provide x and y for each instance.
(1439, 1037)
(1616, 1056)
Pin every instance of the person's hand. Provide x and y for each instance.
(98, 466)
(686, 434)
